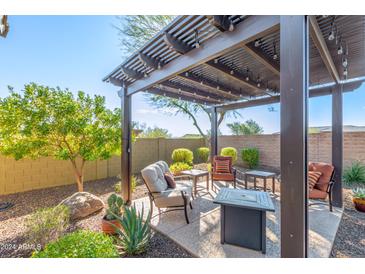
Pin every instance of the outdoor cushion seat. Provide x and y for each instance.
(317, 194)
(159, 192)
(326, 170)
(223, 176)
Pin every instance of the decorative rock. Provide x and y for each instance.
(82, 204)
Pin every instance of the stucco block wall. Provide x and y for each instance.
(24, 175)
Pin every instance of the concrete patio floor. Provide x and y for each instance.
(202, 236)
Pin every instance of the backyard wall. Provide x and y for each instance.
(23, 175)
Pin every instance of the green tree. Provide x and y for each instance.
(46, 121)
(134, 32)
(155, 132)
(249, 127)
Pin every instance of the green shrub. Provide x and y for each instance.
(202, 154)
(176, 168)
(115, 204)
(80, 244)
(230, 151)
(182, 155)
(118, 186)
(354, 174)
(135, 234)
(46, 225)
(250, 156)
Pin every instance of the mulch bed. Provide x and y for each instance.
(350, 237)
(13, 242)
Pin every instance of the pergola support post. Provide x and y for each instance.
(337, 144)
(126, 149)
(293, 139)
(213, 133)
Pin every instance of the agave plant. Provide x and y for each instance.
(359, 193)
(135, 233)
(115, 203)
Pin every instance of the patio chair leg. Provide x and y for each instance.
(330, 200)
(186, 214)
(191, 206)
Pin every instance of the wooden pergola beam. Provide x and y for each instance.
(322, 48)
(249, 30)
(221, 22)
(164, 91)
(132, 73)
(236, 76)
(150, 62)
(212, 86)
(176, 45)
(263, 58)
(192, 91)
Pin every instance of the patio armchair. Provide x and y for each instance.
(222, 170)
(323, 188)
(163, 196)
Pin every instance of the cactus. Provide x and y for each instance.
(115, 204)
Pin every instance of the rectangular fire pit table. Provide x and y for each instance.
(260, 174)
(243, 217)
(195, 174)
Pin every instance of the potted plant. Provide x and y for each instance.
(359, 199)
(114, 210)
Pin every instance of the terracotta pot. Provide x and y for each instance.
(107, 226)
(359, 204)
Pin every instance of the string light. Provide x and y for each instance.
(187, 74)
(257, 43)
(145, 75)
(231, 26)
(332, 34)
(159, 65)
(247, 75)
(197, 42)
(215, 61)
(275, 57)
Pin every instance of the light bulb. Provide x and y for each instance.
(231, 27)
(247, 78)
(258, 84)
(187, 74)
(215, 61)
(257, 43)
(197, 45)
(159, 65)
(145, 75)
(275, 57)
(345, 62)
(340, 50)
(218, 87)
(345, 72)
(232, 72)
(331, 36)
(201, 82)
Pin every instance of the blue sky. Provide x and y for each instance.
(76, 52)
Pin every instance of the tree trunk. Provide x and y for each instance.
(79, 175)
(80, 183)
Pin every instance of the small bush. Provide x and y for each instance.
(80, 244)
(182, 155)
(176, 168)
(230, 151)
(354, 174)
(135, 234)
(202, 154)
(118, 186)
(46, 225)
(250, 156)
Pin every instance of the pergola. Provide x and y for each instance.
(230, 62)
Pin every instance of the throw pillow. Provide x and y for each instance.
(313, 177)
(170, 180)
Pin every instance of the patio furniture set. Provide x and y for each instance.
(242, 210)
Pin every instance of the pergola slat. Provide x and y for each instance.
(263, 58)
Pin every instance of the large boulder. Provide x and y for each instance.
(82, 204)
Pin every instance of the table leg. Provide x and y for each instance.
(273, 185)
(265, 184)
(246, 181)
(263, 232)
(254, 183)
(222, 224)
(208, 182)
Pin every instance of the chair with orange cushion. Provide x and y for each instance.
(222, 170)
(324, 185)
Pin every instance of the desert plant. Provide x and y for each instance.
(115, 204)
(182, 155)
(46, 225)
(176, 168)
(135, 233)
(118, 186)
(229, 151)
(354, 174)
(202, 154)
(359, 193)
(250, 156)
(80, 244)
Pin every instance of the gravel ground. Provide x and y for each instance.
(13, 241)
(350, 237)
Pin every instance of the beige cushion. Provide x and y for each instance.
(154, 178)
(172, 197)
(164, 166)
